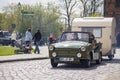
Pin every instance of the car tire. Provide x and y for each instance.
(86, 63)
(100, 58)
(53, 63)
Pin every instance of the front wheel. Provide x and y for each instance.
(53, 63)
(86, 63)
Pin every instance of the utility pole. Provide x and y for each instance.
(18, 16)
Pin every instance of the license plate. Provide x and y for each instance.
(66, 59)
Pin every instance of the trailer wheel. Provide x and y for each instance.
(111, 55)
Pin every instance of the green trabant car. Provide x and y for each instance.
(75, 47)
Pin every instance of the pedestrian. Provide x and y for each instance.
(52, 39)
(13, 38)
(37, 38)
(118, 39)
(28, 39)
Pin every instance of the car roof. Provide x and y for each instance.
(4, 31)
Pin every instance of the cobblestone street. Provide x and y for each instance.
(42, 70)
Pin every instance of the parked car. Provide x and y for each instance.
(75, 47)
(5, 38)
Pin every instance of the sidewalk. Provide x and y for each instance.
(22, 57)
(114, 76)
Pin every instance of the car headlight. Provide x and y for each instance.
(51, 47)
(78, 55)
(83, 49)
(54, 54)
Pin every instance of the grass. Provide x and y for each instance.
(7, 50)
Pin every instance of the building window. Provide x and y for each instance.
(97, 32)
(117, 3)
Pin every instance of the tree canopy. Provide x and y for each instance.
(36, 17)
(46, 18)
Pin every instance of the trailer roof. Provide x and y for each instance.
(93, 21)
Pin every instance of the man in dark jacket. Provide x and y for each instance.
(36, 39)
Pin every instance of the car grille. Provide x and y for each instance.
(66, 52)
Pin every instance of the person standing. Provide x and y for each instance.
(28, 38)
(37, 38)
(52, 39)
(118, 39)
(13, 38)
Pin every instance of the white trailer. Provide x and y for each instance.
(103, 29)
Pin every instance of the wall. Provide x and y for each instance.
(112, 9)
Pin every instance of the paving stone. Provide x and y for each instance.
(42, 70)
(2, 78)
(8, 78)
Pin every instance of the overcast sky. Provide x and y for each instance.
(31, 2)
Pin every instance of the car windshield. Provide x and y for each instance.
(74, 36)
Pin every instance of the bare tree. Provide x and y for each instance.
(91, 6)
(94, 6)
(85, 8)
(69, 9)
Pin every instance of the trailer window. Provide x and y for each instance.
(97, 32)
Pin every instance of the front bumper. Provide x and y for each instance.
(67, 59)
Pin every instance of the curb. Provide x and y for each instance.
(26, 59)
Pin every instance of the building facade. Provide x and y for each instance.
(112, 9)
